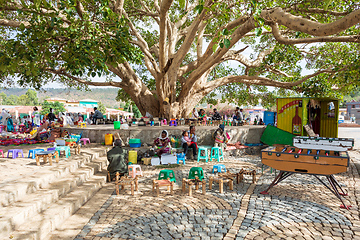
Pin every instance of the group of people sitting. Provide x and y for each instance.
(238, 116)
(118, 159)
(162, 145)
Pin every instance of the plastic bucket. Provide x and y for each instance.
(108, 139)
(133, 157)
(117, 124)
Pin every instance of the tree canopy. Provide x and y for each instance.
(56, 106)
(167, 56)
(30, 98)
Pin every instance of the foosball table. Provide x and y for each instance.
(317, 156)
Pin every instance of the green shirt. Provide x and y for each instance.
(118, 161)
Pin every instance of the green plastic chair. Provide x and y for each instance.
(167, 173)
(217, 154)
(196, 172)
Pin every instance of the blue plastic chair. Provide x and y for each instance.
(32, 152)
(180, 157)
(219, 168)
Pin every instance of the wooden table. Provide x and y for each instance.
(221, 182)
(191, 182)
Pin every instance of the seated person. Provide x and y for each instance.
(162, 144)
(216, 116)
(97, 115)
(187, 143)
(118, 160)
(220, 137)
(202, 116)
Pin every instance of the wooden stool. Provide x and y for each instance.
(46, 155)
(228, 175)
(221, 182)
(125, 180)
(75, 146)
(195, 182)
(165, 182)
(243, 172)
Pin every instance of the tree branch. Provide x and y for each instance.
(12, 23)
(283, 40)
(234, 55)
(310, 27)
(316, 10)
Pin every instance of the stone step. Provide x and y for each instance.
(12, 217)
(17, 190)
(41, 225)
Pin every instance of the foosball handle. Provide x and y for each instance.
(343, 194)
(264, 193)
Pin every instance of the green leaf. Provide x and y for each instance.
(227, 43)
(221, 44)
(182, 3)
(297, 34)
(258, 31)
(199, 8)
(93, 74)
(261, 21)
(214, 47)
(225, 32)
(22, 27)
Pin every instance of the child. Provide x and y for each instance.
(188, 143)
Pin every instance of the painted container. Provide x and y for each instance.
(319, 113)
(117, 124)
(133, 157)
(109, 139)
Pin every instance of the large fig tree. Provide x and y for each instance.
(167, 56)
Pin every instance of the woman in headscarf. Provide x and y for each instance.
(162, 143)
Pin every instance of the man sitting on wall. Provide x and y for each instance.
(97, 115)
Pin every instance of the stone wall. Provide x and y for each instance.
(244, 134)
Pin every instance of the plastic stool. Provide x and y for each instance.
(165, 174)
(84, 140)
(15, 153)
(51, 149)
(163, 122)
(217, 154)
(173, 122)
(196, 172)
(66, 149)
(33, 152)
(180, 157)
(82, 125)
(219, 168)
(134, 170)
(2, 152)
(202, 157)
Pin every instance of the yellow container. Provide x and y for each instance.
(133, 157)
(109, 139)
(324, 121)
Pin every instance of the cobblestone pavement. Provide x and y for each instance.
(298, 208)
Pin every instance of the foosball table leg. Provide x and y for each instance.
(136, 184)
(253, 176)
(282, 175)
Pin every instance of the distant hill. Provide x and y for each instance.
(105, 95)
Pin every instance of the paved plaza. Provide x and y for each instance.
(298, 208)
